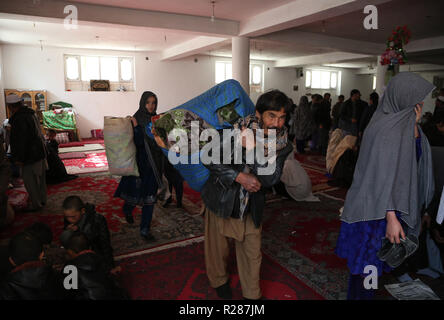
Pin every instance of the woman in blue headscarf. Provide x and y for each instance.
(392, 182)
(142, 190)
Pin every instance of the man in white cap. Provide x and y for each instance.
(28, 150)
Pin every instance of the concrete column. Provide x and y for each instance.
(241, 61)
(380, 77)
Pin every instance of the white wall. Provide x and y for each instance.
(174, 82)
(2, 96)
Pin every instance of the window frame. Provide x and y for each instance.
(331, 72)
(77, 57)
(120, 59)
(253, 87)
(85, 84)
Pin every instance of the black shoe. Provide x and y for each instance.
(167, 202)
(129, 218)
(224, 291)
(148, 237)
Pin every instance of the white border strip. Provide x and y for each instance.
(183, 243)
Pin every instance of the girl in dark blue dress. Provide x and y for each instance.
(392, 182)
(142, 190)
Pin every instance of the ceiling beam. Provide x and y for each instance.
(193, 46)
(332, 57)
(300, 12)
(427, 44)
(321, 41)
(420, 67)
(122, 16)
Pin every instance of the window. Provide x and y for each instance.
(90, 68)
(256, 78)
(72, 68)
(224, 72)
(126, 69)
(79, 70)
(374, 83)
(321, 79)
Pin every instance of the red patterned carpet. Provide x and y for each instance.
(301, 236)
(168, 225)
(94, 162)
(179, 273)
(311, 159)
(298, 242)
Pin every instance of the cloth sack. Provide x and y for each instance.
(119, 146)
(296, 180)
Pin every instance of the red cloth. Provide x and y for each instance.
(72, 155)
(71, 144)
(97, 133)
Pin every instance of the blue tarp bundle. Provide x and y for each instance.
(205, 106)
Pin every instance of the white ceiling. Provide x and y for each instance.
(109, 36)
(224, 9)
(422, 17)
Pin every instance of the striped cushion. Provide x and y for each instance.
(62, 137)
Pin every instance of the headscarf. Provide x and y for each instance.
(303, 123)
(142, 115)
(153, 152)
(388, 175)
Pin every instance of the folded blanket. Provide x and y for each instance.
(216, 108)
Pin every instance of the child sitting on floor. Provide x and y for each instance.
(93, 281)
(83, 217)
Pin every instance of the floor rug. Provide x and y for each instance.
(339, 193)
(72, 155)
(92, 140)
(94, 162)
(301, 236)
(179, 273)
(86, 147)
(311, 159)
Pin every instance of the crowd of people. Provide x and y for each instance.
(380, 149)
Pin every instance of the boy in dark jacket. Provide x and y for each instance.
(84, 218)
(31, 279)
(93, 280)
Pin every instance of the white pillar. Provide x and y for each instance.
(240, 47)
(380, 77)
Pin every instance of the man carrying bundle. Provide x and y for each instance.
(234, 197)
